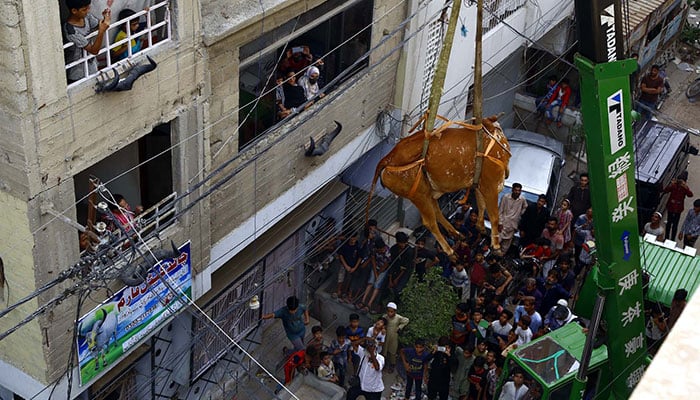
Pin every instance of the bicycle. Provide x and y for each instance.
(693, 90)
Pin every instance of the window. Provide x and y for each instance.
(146, 184)
(142, 28)
(337, 31)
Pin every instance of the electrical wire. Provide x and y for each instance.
(273, 278)
(418, 30)
(237, 109)
(307, 117)
(182, 295)
(337, 93)
(417, 111)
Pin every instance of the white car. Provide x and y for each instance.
(536, 162)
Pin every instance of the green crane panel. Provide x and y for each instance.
(606, 108)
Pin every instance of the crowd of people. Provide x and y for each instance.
(496, 313)
(465, 363)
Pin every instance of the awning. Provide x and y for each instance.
(361, 172)
(643, 15)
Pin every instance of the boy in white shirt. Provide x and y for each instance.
(523, 331)
(378, 332)
(459, 279)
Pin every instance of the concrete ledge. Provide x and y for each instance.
(673, 373)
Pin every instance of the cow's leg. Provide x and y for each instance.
(464, 200)
(401, 182)
(429, 217)
(481, 205)
(490, 199)
(444, 222)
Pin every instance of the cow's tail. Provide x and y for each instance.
(377, 171)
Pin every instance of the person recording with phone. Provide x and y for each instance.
(439, 373)
(369, 371)
(296, 59)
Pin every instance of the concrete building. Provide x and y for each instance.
(200, 136)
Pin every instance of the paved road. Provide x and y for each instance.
(678, 111)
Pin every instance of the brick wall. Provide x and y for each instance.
(49, 133)
(13, 101)
(21, 349)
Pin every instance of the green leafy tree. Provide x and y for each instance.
(690, 34)
(429, 305)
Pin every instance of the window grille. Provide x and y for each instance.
(497, 10)
(122, 388)
(435, 36)
(230, 311)
(155, 31)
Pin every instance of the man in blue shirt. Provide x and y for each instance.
(691, 226)
(528, 308)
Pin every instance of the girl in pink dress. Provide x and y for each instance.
(564, 216)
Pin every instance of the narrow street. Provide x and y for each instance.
(678, 111)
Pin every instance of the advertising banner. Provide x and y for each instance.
(117, 325)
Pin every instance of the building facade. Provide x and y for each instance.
(201, 137)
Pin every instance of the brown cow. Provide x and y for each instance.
(448, 166)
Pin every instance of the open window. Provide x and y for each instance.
(337, 32)
(138, 29)
(142, 173)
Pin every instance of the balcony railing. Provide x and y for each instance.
(149, 224)
(155, 31)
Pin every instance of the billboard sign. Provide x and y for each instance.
(119, 324)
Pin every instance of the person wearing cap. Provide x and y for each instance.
(678, 190)
(394, 323)
(655, 226)
(558, 316)
(369, 372)
(691, 226)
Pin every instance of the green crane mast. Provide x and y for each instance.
(606, 105)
